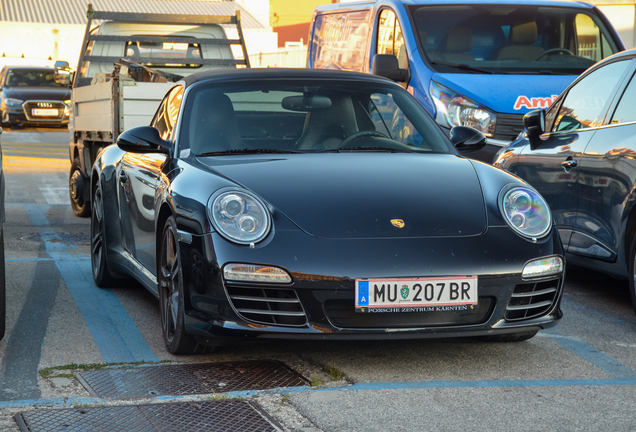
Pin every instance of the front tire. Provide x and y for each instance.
(632, 272)
(76, 184)
(171, 293)
(101, 275)
(3, 308)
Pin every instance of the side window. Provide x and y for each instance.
(590, 42)
(391, 38)
(626, 109)
(389, 119)
(584, 103)
(168, 112)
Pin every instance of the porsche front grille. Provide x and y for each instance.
(270, 306)
(531, 300)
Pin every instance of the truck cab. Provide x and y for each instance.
(476, 64)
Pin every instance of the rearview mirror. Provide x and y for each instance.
(467, 139)
(306, 103)
(143, 139)
(386, 65)
(534, 122)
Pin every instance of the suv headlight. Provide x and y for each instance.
(525, 211)
(454, 109)
(13, 102)
(239, 216)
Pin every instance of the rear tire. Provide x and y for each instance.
(76, 184)
(101, 275)
(512, 337)
(632, 272)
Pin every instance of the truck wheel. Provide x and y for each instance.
(76, 184)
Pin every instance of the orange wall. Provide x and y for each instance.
(291, 18)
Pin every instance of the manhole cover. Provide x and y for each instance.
(229, 415)
(190, 379)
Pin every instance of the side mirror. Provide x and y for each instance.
(63, 77)
(386, 65)
(143, 139)
(467, 139)
(534, 122)
(61, 64)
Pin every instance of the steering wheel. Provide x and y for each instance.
(359, 135)
(552, 51)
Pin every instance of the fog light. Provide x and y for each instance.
(543, 267)
(255, 273)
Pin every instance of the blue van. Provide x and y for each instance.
(470, 63)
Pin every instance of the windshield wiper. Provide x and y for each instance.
(462, 66)
(248, 151)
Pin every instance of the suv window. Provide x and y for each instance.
(584, 104)
(626, 109)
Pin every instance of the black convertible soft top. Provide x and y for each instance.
(285, 73)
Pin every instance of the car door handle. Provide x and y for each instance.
(123, 177)
(569, 164)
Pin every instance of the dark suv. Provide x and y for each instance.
(580, 155)
(30, 96)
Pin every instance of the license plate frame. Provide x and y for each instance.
(45, 112)
(433, 294)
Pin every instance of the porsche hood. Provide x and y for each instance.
(365, 195)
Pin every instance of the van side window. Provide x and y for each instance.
(391, 38)
(167, 114)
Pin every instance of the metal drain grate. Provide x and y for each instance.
(231, 415)
(190, 379)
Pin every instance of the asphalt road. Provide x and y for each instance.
(579, 376)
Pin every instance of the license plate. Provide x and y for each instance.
(415, 295)
(43, 112)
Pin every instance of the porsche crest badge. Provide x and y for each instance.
(398, 223)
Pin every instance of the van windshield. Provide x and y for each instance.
(512, 39)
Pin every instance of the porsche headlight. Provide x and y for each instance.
(525, 211)
(454, 109)
(239, 216)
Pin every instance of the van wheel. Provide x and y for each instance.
(76, 184)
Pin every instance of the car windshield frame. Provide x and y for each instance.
(26, 77)
(447, 28)
(295, 115)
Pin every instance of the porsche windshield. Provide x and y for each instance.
(276, 116)
(518, 39)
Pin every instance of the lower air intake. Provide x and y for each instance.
(269, 306)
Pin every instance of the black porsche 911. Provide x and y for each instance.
(320, 204)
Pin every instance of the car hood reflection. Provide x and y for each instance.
(365, 195)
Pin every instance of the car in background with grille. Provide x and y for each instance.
(280, 204)
(31, 96)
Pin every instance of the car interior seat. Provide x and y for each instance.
(327, 128)
(455, 46)
(213, 125)
(521, 38)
